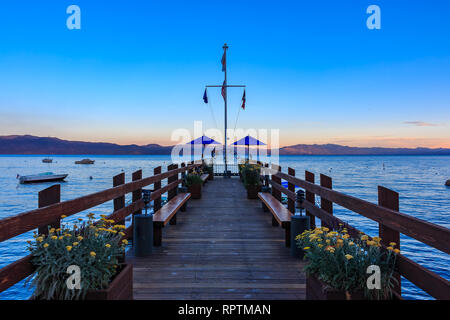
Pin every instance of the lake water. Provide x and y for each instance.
(419, 180)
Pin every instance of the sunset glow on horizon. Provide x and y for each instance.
(134, 73)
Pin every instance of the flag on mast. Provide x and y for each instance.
(223, 90)
(205, 97)
(224, 61)
(243, 101)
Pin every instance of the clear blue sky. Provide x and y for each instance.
(137, 69)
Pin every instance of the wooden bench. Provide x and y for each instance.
(204, 177)
(280, 214)
(168, 213)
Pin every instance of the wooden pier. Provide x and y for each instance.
(222, 247)
(225, 246)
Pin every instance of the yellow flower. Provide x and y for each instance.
(122, 234)
(327, 241)
(349, 256)
(125, 241)
(61, 237)
(63, 216)
(69, 248)
(364, 237)
(340, 241)
(54, 237)
(306, 248)
(351, 243)
(80, 219)
(96, 234)
(90, 215)
(103, 215)
(93, 254)
(396, 251)
(51, 230)
(371, 243)
(75, 244)
(108, 245)
(320, 245)
(346, 236)
(390, 248)
(58, 230)
(392, 244)
(45, 245)
(80, 238)
(297, 237)
(40, 239)
(325, 229)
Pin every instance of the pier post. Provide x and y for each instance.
(172, 192)
(119, 202)
(275, 192)
(156, 186)
(389, 199)
(310, 197)
(326, 182)
(48, 197)
(137, 194)
(291, 187)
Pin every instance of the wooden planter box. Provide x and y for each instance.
(319, 290)
(252, 192)
(196, 191)
(121, 288)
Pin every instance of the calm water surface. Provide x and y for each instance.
(418, 179)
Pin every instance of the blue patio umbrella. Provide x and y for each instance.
(203, 140)
(248, 141)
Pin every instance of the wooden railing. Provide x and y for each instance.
(51, 209)
(391, 223)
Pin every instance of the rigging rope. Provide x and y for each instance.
(212, 112)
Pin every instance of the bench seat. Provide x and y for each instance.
(204, 177)
(168, 213)
(280, 214)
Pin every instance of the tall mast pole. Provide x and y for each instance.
(225, 47)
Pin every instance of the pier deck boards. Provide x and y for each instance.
(223, 247)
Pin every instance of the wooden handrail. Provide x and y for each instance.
(18, 270)
(24, 222)
(426, 232)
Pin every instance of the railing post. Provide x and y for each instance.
(119, 202)
(137, 194)
(326, 182)
(389, 199)
(48, 197)
(275, 192)
(310, 197)
(156, 186)
(183, 165)
(291, 187)
(172, 192)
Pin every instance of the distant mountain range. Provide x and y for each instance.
(27, 144)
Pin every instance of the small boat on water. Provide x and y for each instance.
(42, 177)
(47, 160)
(85, 161)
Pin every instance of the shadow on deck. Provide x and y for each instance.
(223, 247)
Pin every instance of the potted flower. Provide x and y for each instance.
(81, 262)
(194, 184)
(210, 170)
(251, 178)
(337, 265)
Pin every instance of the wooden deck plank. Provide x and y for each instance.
(223, 247)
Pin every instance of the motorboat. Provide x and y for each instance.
(42, 177)
(85, 161)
